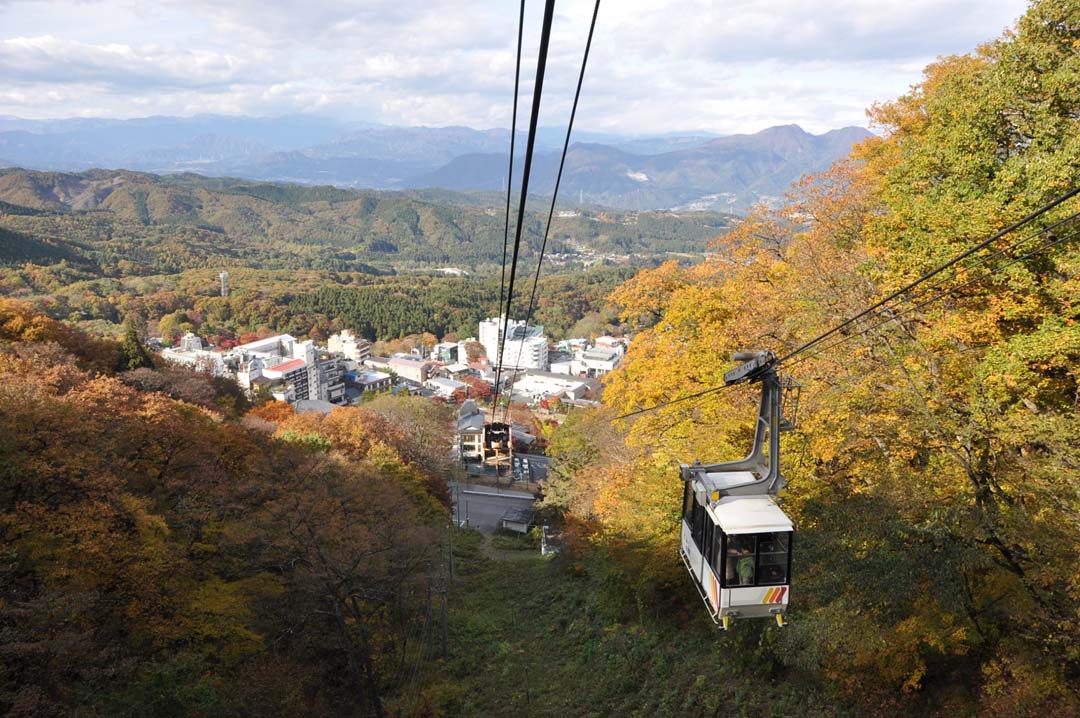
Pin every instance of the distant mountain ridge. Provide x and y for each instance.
(685, 171)
(120, 220)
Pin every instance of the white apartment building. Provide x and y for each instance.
(595, 362)
(352, 346)
(522, 348)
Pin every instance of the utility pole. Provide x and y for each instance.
(452, 528)
(430, 631)
(442, 578)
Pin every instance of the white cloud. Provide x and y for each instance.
(46, 59)
(657, 65)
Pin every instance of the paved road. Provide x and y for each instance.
(481, 507)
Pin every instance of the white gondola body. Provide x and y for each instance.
(739, 554)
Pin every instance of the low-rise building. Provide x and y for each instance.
(377, 363)
(537, 386)
(595, 362)
(411, 368)
(470, 430)
(617, 344)
(445, 388)
(371, 381)
(450, 353)
(457, 371)
(192, 353)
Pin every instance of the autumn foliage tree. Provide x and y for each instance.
(933, 477)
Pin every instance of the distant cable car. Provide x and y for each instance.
(736, 541)
(498, 447)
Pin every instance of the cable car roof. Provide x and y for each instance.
(749, 515)
(724, 480)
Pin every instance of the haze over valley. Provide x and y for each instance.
(646, 172)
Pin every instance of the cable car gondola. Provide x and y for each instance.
(736, 541)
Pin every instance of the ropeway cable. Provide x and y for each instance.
(551, 208)
(538, 90)
(513, 135)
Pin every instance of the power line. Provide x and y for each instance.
(925, 290)
(925, 277)
(554, 196)
(513, 135)
(1054, 242)
(538, 90)
(986, 258)
(681, 399)
(960, 257)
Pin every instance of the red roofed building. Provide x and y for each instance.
(286, 367)
(292, 372)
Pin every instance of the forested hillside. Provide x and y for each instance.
(307, 303)
(163, 557)
(119, 223)
(935, 474)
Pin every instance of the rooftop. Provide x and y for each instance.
(314, 406)
(447, 383)
(288, 366)
(263, 345)
(750, 514)
(406, 359)
(370, 377)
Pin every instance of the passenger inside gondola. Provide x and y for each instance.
(739, 569)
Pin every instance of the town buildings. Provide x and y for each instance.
(578, 358)
(294, 371)
(290, 370)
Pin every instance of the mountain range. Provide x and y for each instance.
(677, 171)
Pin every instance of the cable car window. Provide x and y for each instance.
(772, 558)
(707, 544)
(740, 566)
(698, 527)
(688, 504)
(718, 552)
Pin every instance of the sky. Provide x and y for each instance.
(656, 66)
